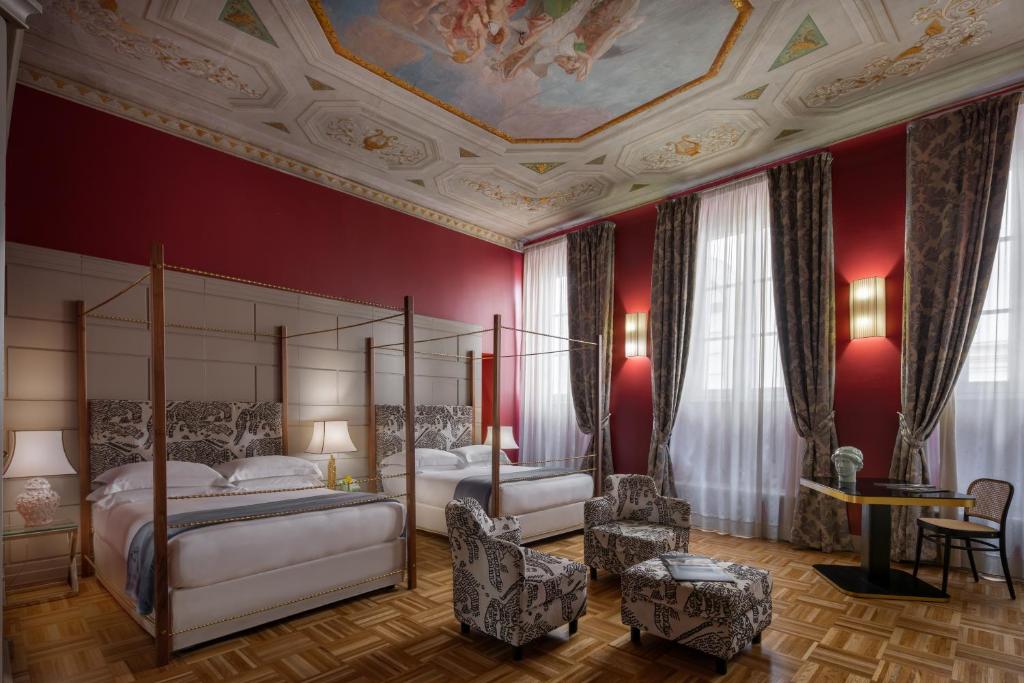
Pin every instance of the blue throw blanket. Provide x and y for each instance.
(141, 552)
(478, 486)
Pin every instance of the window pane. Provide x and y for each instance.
(989, 357)
(998, 294)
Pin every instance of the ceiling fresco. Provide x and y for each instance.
(537, 70)
(505, 119)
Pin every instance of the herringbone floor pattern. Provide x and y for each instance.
(817, 634)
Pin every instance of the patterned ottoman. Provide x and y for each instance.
(719, 619)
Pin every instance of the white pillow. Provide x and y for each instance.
(294, 481)
(103, 498)
(432, 457)
(426, 459)
(139, 475)
(478, 454)
(263, 466)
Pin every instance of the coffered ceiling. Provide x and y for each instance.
(509, 118)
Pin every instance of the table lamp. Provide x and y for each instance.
(508, 440)
(331, 437)
(38, 454)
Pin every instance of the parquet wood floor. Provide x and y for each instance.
(817, 634)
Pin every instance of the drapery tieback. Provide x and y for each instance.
(824, 426)
(908, 435)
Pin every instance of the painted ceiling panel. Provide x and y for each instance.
(508, 118)
(542, 70)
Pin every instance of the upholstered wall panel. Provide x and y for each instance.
(208, 432)
(437, 426)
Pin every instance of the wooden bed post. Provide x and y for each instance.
(371, 419)
(471, 395)
(282, 334)
(496, 423)
(161, 596)
(599, 417)
(410, 442)
(84, 461)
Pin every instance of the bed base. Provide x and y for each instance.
(536, 525)
(206, 613)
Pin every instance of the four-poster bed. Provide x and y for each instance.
(250, 556)
(548, 501)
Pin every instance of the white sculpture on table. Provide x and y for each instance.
(848, 461)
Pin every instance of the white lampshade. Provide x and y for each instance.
(867, 308)
(38, 454)
(330, 437)
(508, 440)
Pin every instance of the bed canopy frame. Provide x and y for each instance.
(158, 324)
(574, 345)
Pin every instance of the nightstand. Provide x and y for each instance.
(58, 526)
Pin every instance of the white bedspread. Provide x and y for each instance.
(436, 488)
(205, 556)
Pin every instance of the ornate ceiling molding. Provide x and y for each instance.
(329, 120)
(40, 79)
(947, 29)
(743, 10)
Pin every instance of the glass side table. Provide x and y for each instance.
(31, 594)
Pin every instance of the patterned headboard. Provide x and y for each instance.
(210, 432)
(441, 427)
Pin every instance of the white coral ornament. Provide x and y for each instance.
(38, 502)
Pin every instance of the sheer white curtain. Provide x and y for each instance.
(734, 448)
(989, 395)
(548, 429)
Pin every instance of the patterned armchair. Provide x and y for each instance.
(513, 593)
(631, 523)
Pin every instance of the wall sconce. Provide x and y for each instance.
(636, 335)
(867, 308)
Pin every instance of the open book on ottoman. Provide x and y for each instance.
(687, 567)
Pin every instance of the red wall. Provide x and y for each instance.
(868, 210)
(868, 214)
(631, 411)
(84, 181)
(868, 181)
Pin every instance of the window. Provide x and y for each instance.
(557, 323)
(727, 257)
(734, 448)
(989, 394)
(548, 430)
(989, 358)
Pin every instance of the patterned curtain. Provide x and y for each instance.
(958, 167)
(590, 255)
(672, 283)
(804, 277)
